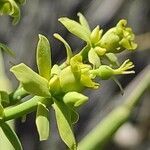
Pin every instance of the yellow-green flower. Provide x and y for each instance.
(118, 38)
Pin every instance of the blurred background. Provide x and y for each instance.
(42, 17)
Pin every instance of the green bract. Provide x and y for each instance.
(61, 85)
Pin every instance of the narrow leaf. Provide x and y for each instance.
(63, 119)
(68, 48)
(75, 28)
(84, 23)
(42, 121)
(43, 57)
(31, 81)
(6, 49)
(4, 98)
(1, 112)
(11, 135)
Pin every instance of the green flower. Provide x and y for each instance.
(118, 38)
(105, 72)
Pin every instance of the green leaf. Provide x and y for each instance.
(4, 98)
(11, 135)
(63, 119)
(75, 28)
(43, 57)
(42, 121)
(84, 23)
(1, 112)
(94, 58)
(6, 49)
(31, 81)
(68, 48)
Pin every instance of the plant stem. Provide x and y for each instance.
(24, 108)
(142, 83)
(110, 124)
(17, 95)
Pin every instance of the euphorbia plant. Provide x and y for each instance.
(60, 86)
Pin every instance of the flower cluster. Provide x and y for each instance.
(62, 85)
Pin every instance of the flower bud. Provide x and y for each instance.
(100, 51)
(96, 35)
(74, 99)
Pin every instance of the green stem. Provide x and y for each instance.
(17, 95)
(110, 124)
(23, 108)
(143, 82)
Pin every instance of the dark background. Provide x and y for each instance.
(41, 16)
